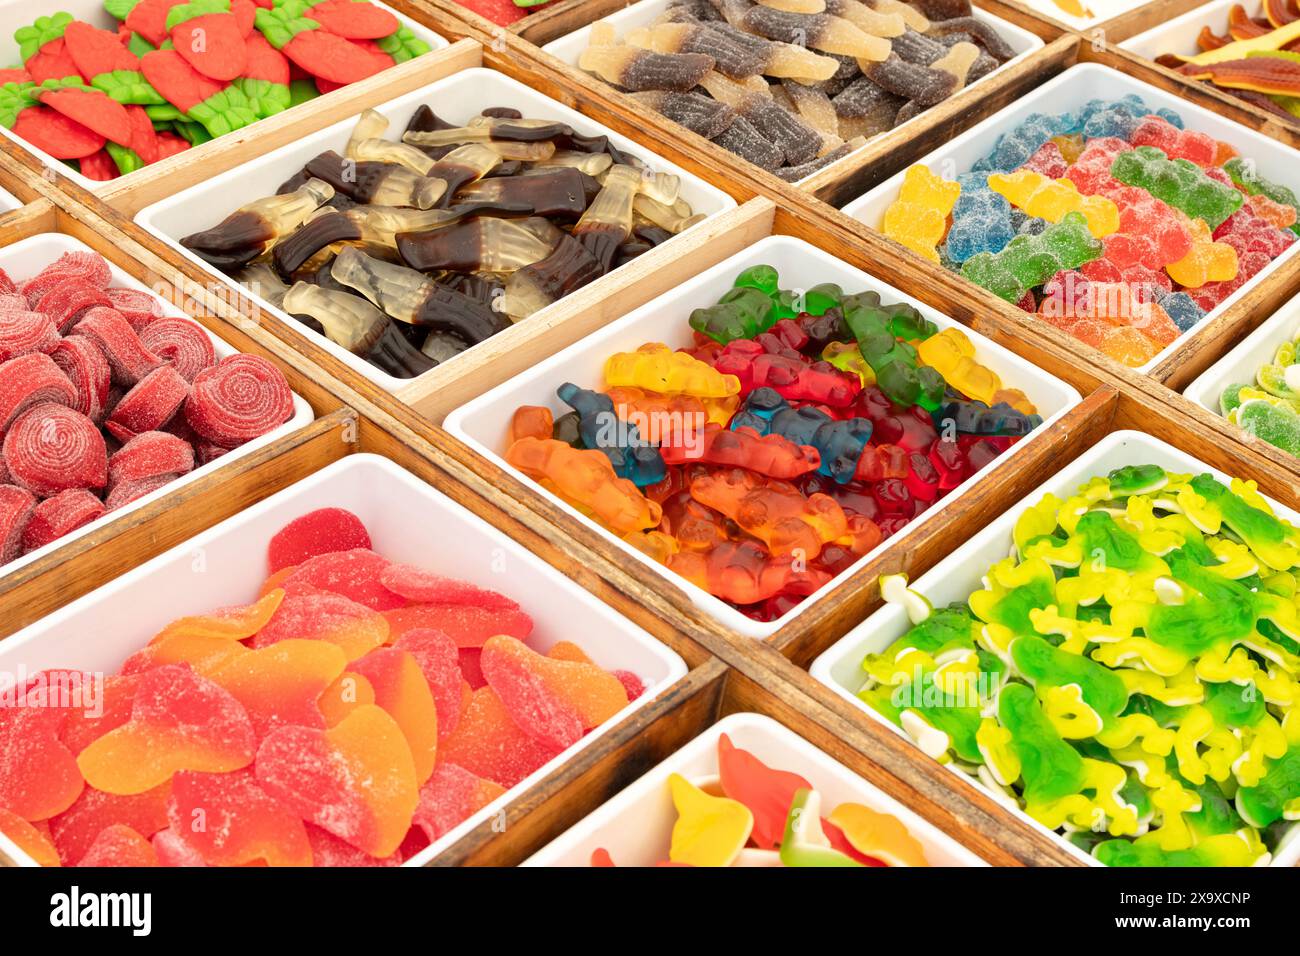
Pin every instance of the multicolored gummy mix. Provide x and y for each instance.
(754, 815)
(1127, 677)
(104, 400)
(176, 74)
(1257, 61)
(465, 229)
(1112, 223)
(793, 85)
(1269, 408)
(355, 712)
(797, 433)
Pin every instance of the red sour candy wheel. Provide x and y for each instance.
(138, 308)
(129, 360)
(237, 400)
(28, 380)
(16, 507)
(88, 267)
(62, 514)
(125, 492)
(151, 403)
(181, 343)
(23, 332)
(69, 301)
(149, 455)
(81, 360)
(50, 448)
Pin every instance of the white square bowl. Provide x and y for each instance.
(20, 13)
(1069, 91)
(960, 574)
(456, 99)
(1099, 11)
(1239, 365)
(25, 258)
(483, 422)
(8, 202)
(1179, 34)
(409, 522)
(636, 825)
(645, 12)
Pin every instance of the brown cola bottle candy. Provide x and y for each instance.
(248, 233)
(556, 193)
(356, 325)
(608, 220)
(410, 297)
(570, 266)
(476, 244)
(465, 164)
(383, 184)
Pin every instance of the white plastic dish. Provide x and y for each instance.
(483, 422)
(1099, 11)
(961, 573)
(1179, 35)
(1238, 367)
(24, 259)
(408, 522)
(1069, 91)
(8, 202)
(570, 46)
(15, 14)
(456, 99)
(636, 825)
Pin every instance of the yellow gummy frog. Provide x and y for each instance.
(918, 218)
(1052, 199)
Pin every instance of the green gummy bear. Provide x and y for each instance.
(128, 87)
(1265, 803)
(1047, 666)
(266, 98)
(906, 322)
(764, 278)
(821, 297)
(1029, 261)
(30, 39)
(1050, 767)
(741, 313)
(1177, 182)
(1244, 175)
(403, 45)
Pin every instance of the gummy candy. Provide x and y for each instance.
(229, 819)
(401, 689)
(710, 831)
(315, 533)
(917, 219)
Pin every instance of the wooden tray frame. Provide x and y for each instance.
(728, 673)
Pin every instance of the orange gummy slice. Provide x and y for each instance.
(232, 623)
(73, 831)
(119, 845)
(451, 795)
(555, 701)
(467, 625)
(568, 651)
(489, 744)
(203, 652)
(356, 780)
(276, 580)
(439, 661)
(345, 695)
(878, 835)
(400, 689)
(82, 728)
(280, 684)
(28, 839)
(424, 587)
(232, 821)
(768, 793)
(329, 850)
(322, 616)
(179, 721)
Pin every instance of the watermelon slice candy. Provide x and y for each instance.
(265, 82)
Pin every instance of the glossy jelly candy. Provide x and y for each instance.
(768, 793)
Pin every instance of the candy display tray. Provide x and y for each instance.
(456, 98)
(1069, 91)
(635, 827)
(19, 13)
(1239, 365)
(483, 422)
(955, 577)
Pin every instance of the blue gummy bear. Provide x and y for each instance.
(633, 458)
(1183, 310)
(1014, 147)
(981, 220)
(1170, 116)
(1118, 119)
(839, 442)
(976, 418)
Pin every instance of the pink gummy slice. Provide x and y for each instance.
(634, 686)
(87, 266)
(129, 360)
(125, 492)
(119, 845)
(151, 402)
(172, 850)
(436, 654)
(139, 308)
(467, 625)
(240, 398)
(451, 795)
(424, 587)
(59, 515)
(82, 361)
(490, 744)
(30, 380)
(83, 727)
(148, 455)
(16, 508)
(315, 533)
(309, 615)
(180, 343)
(50, 448)
(23, 332)
(74, 830)
(67, 302)
(329, 850)
(242, 822)
(355, 574)
(38, 774)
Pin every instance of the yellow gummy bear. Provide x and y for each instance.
(878, 835)
(1208, 261)
(952, 354)
(918, 218)
(710, 831)
(657, 368)
(1052, 199)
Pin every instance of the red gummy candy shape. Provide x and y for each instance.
(96, 51)
(38, 774)
(471, 667)
(59, 515)
(279, 685)
(424, 587)
(354, 20)
(329, 850)
(119, 845)
(93, 109)
(600, 858)
(332, 58)
(129, 360)
(265, 62)
(172, 850)
(324, 616)
(68, 301)
(181, 343)
(213, 44)
(355, 574)
(23, 332)
(400, 689)
(81, 728)
(148, 455)
(149, 19)
(29, 839)
(176, 81)
(768, 793)
(452, 795)
(632, 684)
(555, 701)
(16, 508)
(231, 820)
(487, 742)
(82, 361)
(84, 266)
(51, 62)
(140, 309)
(57, 135)
(75, 830)
(240, 398)
(99, 167)
(315, 533)
(179, 721)
(437, 657)
(29, 380)
(151, 402)
(356, 780)
(50, 448)
(467, 625)
(125, 492)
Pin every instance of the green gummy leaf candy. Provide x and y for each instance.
(403, 45)
(128, 87)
